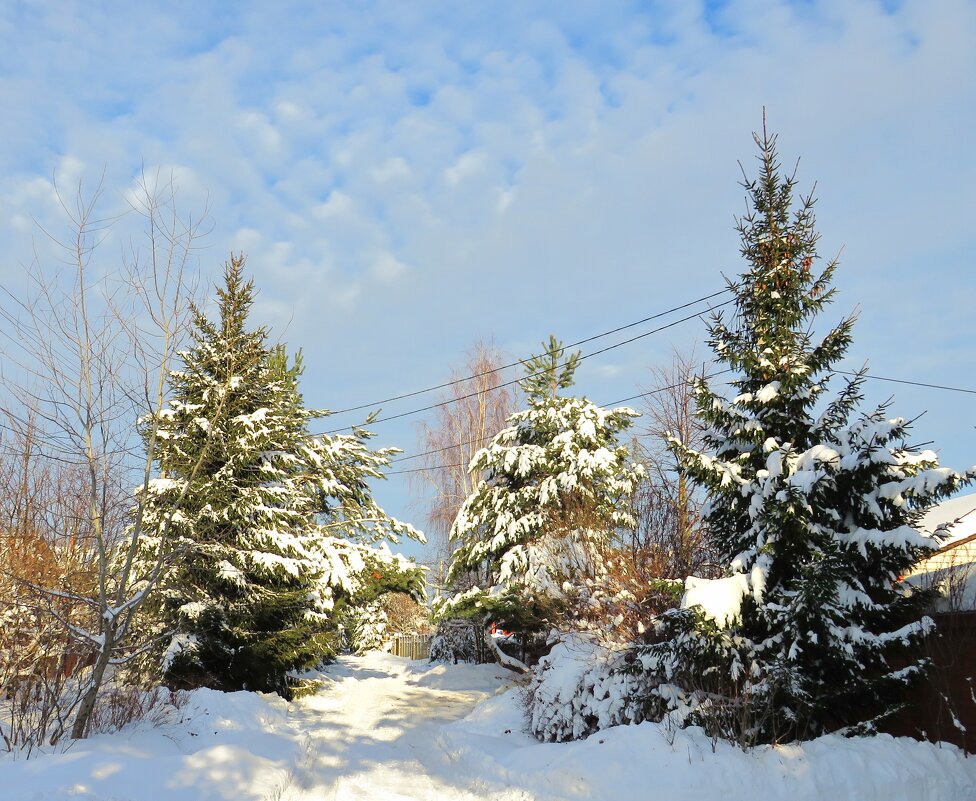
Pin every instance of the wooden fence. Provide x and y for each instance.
(943, 707)
(411, 646)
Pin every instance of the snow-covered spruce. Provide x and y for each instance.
(810, 504)
(371, 628)
(390, 600)
(257, 514)
(556, 486)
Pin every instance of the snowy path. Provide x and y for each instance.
(375, 732)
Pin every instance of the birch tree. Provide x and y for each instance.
(667, 540)
(478, 403)
(91, 347)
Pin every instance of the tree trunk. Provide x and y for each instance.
(79, 731)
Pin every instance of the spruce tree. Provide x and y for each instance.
(811, 505)
(557, 485)
(269, 525)
(239, 602)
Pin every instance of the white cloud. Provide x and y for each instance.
(246, 240)
(263, 132)
(287, 111)
(609, 370)
(339, 204)
(387, 268)
(390, 170)
(466, 165)
(505, 196)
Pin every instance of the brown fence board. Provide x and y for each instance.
(943, 707)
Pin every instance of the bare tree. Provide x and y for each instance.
(37, 654)
(93, 349)
(667, 541)
(477, 407)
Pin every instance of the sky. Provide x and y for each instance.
(409, 178)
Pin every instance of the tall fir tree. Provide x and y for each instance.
(557, 485)
(810, 504)
(263, 519)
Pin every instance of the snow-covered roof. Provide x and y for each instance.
(952, 570)
(960, 515)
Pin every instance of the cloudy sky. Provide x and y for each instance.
(407, 178)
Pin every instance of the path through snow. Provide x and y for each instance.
(375, 731)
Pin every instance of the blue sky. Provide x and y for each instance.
(407, 178)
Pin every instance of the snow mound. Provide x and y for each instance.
(720, 599)
(650, 760)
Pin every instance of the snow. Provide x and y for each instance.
(768, 392)
(230, 573)
(720, 599)
(651, 761)
(387, 728)
(160, 486)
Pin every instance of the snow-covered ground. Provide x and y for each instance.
(385, 728)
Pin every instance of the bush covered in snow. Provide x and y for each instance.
(460, 640)
(581, 687)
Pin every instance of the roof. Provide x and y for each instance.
(952, 569)
(958, 515)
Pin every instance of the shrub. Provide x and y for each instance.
(581, 687)
(460, 640)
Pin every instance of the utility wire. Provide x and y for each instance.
(471, 442)
(480, 439)
(912, 383)
(653, 392)
(518, 380)
(522, 361)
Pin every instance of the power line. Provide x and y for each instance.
(423, 469)
(475, 441)
(499, 369)
(517, 380)
(522, 361)
(912, 383)
(653, 392)
(471, 442)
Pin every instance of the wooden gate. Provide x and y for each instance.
(411, 646)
